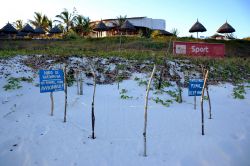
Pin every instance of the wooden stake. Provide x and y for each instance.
(77, 81)
(146, 112)
(209, 101)
(66, 92)
(93, 104)
(81, 84)
(52, 103)
(195, 102)
(202, 112)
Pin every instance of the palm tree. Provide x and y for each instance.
(41, 21)
(175, 32)
(82, 25)
(67, 19)
(18, 24)
(120, 20)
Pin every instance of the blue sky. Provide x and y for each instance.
(180, 14)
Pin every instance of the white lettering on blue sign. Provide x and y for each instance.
(195, 87)
(51, 80)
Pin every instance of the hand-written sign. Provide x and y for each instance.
(51, 80)
(195, 87)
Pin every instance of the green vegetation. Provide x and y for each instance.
(163, 102)
(124, 95)
(238, 92)
(14, 83)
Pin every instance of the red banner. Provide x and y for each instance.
(199, 49)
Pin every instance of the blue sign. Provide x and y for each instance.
(195, 87)
(51, 80)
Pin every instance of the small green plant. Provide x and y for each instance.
(26, 79)
(238, 92)
(124, 95)
(13, 83)
(165, 103)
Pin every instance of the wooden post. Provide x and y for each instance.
(202, 112)
(93, 104)
(52, 103)
(195, 102)
(209, 101)
(77, 81)
(81, 84)
(66, 92)
(146, 112)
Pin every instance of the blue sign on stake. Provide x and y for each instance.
(195, 87)
(51, 80)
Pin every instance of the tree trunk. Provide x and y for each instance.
(146, 112)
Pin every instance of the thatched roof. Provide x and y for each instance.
(127, 26)
(165, 33)
(55, 30)
(197, 27)
(100, 27)
(39, 30)
(226, 28)
(9, 29)
(22, 34)
(27, 29)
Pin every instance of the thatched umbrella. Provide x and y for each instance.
(226, 28)
(9, 29)
(100, 27)
(39, 30)
(27, 29)
(197, 27)
(55, 30)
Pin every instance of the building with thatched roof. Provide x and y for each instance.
(39, 31)
(142, 25)
(55, 30)
(9, 29)
(27, 29)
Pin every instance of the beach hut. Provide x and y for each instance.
(39, 31)
(197, 27)
(100, 27)
(8, 30)
(226, 29)
(55, 32)
(27, 29)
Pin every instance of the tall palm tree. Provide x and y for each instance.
(18, 24)
(42, 21)
(67, 19)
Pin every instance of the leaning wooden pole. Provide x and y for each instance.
(202, 112)
(209, 101)
(66, 92)
(93, 105)
(146, 112)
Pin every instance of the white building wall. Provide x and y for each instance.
(149, 23)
